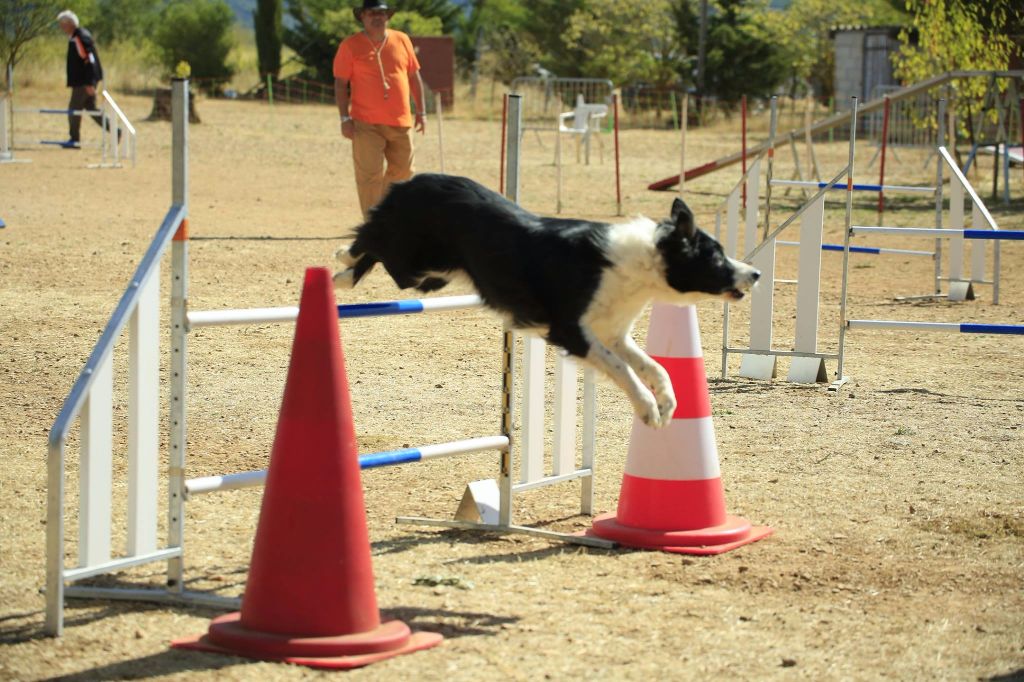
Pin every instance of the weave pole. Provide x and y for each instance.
(881, 166)
(618, 179)
(440, 126)
(743, 146)
(504, 127)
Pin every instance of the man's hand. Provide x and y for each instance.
(421, 123)
(90, 90)
(348, 127)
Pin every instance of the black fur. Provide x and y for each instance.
(581, 282)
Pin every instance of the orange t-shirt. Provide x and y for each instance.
(356, 62)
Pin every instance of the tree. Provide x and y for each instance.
(803, 33)
(267, 23)
(954, 35)
(319, 26)
(740, 61)
(627, 42)
(21, 21)
(197, 32)
(124, 20)
(545, 23)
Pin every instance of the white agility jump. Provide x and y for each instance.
(807, 362)
(90, 404)
(117, 136)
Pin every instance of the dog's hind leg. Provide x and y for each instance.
(651, 373)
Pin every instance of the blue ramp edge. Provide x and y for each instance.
(378, 309)
(390, 458)
(1016, 329)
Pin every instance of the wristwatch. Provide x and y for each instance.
(346, 119)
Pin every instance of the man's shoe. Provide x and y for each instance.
(71, 144)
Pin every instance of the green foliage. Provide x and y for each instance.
(802, 33)
(123, 20)
(545, 24)
(741, 57)
(954, 35)
(490, 40)
(319, 26)
(21, 21)
(627, 42)
(267, 24)
(199, 32)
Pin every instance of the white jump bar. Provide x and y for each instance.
(895, 324)
(249, 479)
(211, 318)
(908, 231)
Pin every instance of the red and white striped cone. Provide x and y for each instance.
(672, 497)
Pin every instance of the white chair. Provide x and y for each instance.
(582, 122)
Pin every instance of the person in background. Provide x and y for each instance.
(84, 73)
(375, 71)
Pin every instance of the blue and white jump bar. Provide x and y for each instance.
(866, 249)
(856, 186)
(1001, 235)
(945, 327)
(64, 112)
(211, 318)
(250, 479)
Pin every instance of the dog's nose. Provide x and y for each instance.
(755, 275)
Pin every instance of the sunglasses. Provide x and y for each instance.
(376, 12)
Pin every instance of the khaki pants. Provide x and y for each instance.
(372, 145)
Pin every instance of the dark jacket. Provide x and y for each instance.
(84, 66)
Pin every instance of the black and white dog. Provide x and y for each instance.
(579, 284)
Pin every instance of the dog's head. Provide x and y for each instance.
(695, 263)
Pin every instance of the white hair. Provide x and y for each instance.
(68, 15)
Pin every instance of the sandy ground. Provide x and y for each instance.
(896, 503)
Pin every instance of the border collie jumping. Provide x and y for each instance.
(580, 284)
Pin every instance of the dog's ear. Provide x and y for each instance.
(682, 216)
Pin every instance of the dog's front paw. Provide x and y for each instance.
(666, 407)
(649, 412)
(344, 256)
(344, 279)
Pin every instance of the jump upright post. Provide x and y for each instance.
(90, 402)
(759, 358)
(117, 136)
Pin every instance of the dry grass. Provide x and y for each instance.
(896, 504)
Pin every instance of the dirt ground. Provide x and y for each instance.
(898, 550)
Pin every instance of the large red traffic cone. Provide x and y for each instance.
(672, 497)
(310, 596)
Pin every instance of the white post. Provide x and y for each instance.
(5, 140)
(513, 137)
(96, 468)
(531, 460)
(589, 429)
(179, 339)
(682, 144)
(564, 453)
(959, 290)
(144, 417)
(809, 370)
(761, 301)
(440, 126)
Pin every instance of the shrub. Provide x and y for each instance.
(200, 33)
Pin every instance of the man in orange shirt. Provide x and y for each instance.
(379, 66)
